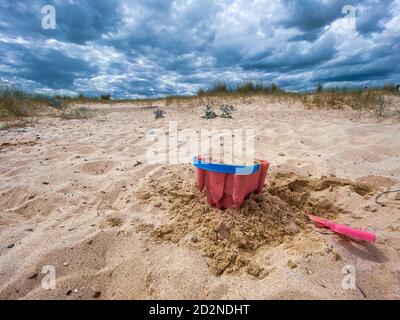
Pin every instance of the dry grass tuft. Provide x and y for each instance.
(246, 88)
(370, 102)
(13, 101)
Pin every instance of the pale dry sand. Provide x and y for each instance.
(68, 198)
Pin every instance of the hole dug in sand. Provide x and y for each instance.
(231, 238)
(317, 196)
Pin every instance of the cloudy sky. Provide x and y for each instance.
(145, 48)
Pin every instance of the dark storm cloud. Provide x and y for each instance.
(159, 47)
(369, 17)
(158, 25)
(292, 59)
(376, 69)
(311, 15)
(77, 21)
(46, 66)
(89, 19)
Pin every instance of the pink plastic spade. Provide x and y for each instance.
(344, 230)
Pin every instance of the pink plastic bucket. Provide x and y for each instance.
(229, 190)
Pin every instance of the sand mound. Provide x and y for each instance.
(227, 238)
(230, 238)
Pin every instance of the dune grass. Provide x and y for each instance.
(13, 101)
(377, 101)
(221, 88)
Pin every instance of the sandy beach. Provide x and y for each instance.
(79, 195)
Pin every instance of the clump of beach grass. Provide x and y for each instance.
(246, 88)
(13, 101)
(373, 102)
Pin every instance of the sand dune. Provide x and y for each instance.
(79, 195)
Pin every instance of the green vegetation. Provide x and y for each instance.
(226, 110)
(209, 112)
(159, 113)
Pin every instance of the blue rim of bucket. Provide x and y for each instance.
(225, 168)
